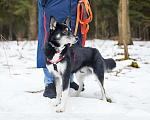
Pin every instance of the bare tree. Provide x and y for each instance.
(96, 19)
(129, 38)
(120, 42)
(124, 27)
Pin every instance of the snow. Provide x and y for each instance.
(127, 87)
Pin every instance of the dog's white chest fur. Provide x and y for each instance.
(61, 67)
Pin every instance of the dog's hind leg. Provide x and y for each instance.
(103, 91)
(100, 79)
(80, 76)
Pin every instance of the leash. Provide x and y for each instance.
(83, 10)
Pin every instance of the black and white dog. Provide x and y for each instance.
(62, 61)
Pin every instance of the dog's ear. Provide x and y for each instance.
(52, 23)
(67, 21)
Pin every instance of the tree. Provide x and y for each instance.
(120, 41)
(104, 23)
(15, 17)
(129, 38)
(124, 27)
(32, 22)
(139, 17)
(96, 18)
(18, 19)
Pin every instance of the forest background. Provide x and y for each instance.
(19, 19)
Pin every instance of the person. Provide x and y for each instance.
(60, 9)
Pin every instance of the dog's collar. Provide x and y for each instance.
(58, 49)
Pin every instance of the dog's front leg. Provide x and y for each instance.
(61, 107)
(65, 91)
(58, 83)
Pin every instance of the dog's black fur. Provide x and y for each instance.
(76, 59)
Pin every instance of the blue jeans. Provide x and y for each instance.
(48, 78)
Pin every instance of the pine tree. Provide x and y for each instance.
(140, 17)
(15, 17)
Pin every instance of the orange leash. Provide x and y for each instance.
(80, 19)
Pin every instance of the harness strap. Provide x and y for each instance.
(81, 18)
(55, 63)
(74, 56)
(60, 59)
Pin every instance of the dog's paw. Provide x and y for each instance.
(56, 103)
(104, 99)
(60, 109)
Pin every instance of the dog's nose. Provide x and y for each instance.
(76, 37)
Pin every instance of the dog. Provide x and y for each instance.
(62, 61)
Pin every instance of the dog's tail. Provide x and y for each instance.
(110, 64)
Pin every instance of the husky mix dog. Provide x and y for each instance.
(62, 61)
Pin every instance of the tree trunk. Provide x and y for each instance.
(10, 28)
(139, 35)
(33, 23)
(120, 42)
(124, 28)
(147, 34)
(96, 24)
(129, 38)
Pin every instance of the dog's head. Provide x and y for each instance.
(60, 33)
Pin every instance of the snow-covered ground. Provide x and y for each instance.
(127, 87)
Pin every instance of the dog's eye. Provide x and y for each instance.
(65, 31)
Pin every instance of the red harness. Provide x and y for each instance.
(55, 63)
(60, 59)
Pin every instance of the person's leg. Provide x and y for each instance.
(50, 89)
(73, 84)
(48, 78)
(71, 79)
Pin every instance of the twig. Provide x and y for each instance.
(3, 38)
(24, 45)
(38, 91)
(119, 71)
